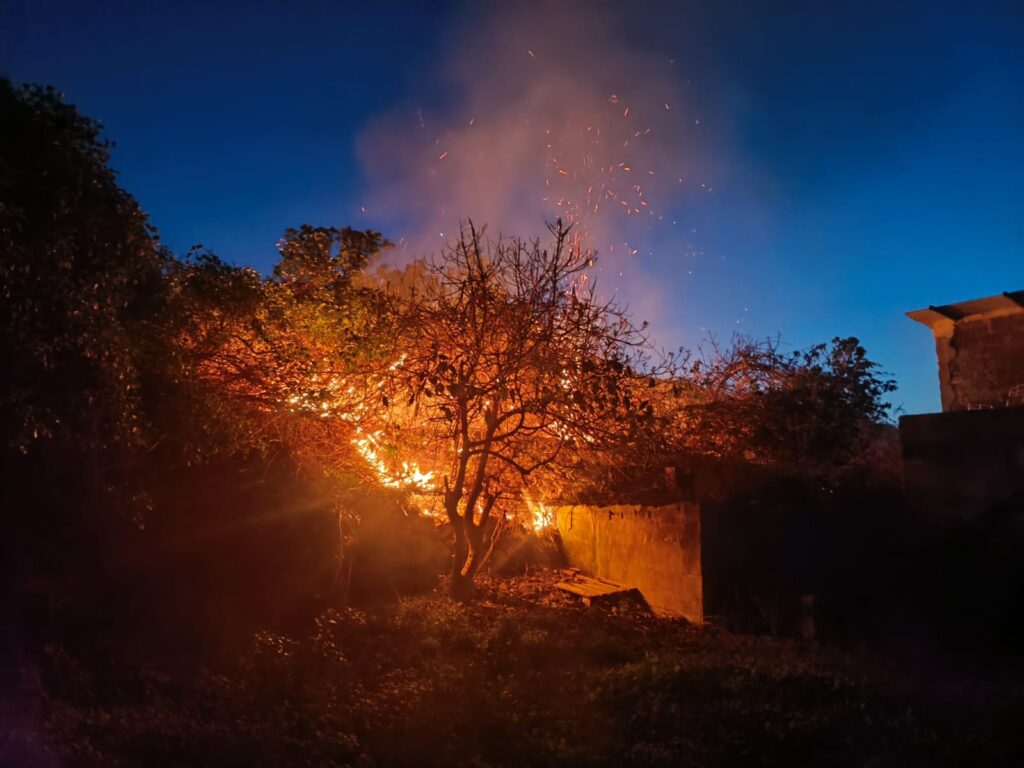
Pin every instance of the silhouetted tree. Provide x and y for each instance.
(82, 276)
(79, 264)
(508, 366)
(815, 412)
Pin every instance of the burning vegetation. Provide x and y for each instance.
(188, 442)
(491, 378)
(495, 376)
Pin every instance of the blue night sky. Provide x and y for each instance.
(863, 159)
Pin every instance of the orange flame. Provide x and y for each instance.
(408, 475)
(541, 517)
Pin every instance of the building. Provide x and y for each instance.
(958, 463)
(980, 349)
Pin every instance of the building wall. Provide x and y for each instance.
(980, 359)
(655, 549)
(956, 465)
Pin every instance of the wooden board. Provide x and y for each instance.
(589, 587)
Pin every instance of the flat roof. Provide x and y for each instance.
(1004, 302)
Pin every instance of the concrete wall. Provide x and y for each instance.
(980, 359)
(655, 549)
(955, 465)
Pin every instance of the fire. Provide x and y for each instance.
(408, 475)
(541, 517)
(404, 475)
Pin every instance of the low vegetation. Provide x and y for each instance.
(550, 683)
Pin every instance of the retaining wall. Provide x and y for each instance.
(655, 549)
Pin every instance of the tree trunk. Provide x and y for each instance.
(468, 555)
(492, 541)
(475, 537)
(461, 587)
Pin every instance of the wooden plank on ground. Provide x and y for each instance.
(589, 587)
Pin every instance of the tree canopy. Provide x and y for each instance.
(80, 269)
(810, 412)
(507, 367)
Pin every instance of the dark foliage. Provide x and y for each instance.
(141, 502)
(550, 683)
(79, 267)
(818, 412)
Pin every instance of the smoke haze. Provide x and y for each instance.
(542, 111)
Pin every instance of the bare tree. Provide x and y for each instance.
(509, 367)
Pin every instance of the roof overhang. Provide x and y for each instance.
(935, 317)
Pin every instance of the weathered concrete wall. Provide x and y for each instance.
(980, 359)
(955, 465)
(655, 549)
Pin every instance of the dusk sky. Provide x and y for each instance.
(812, 169)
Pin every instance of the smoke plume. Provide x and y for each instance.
(540, 111)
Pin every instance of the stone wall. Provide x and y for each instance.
(655, 549)
(957, 464)
(980, 359)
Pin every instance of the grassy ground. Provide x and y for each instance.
(521, 677)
